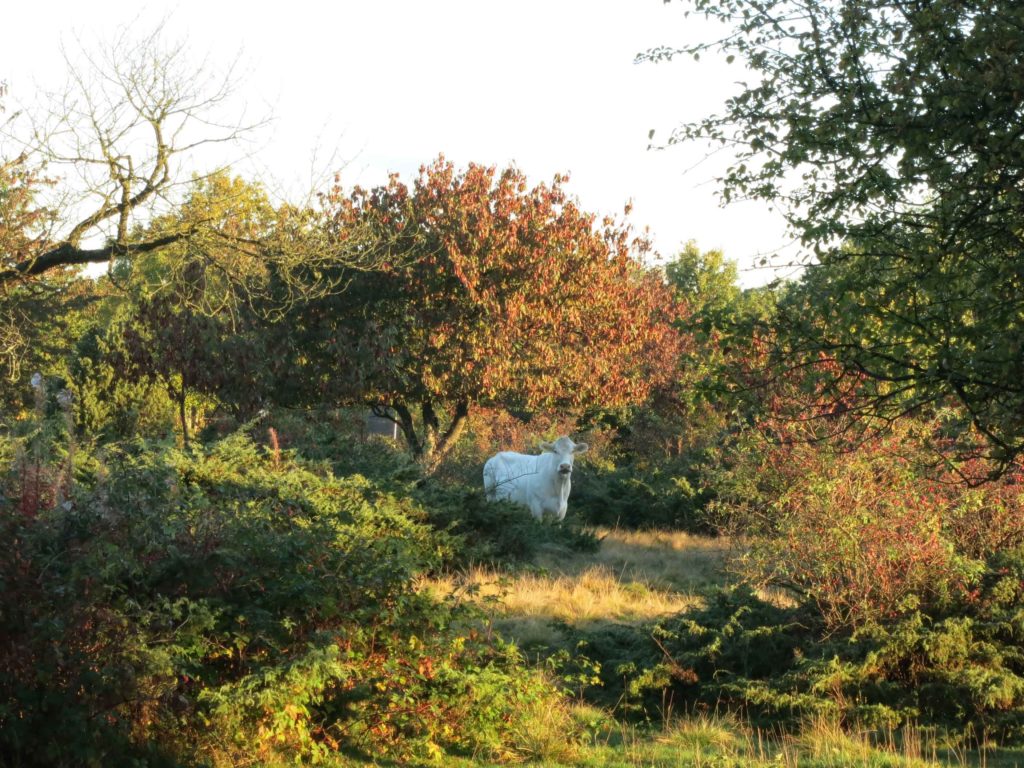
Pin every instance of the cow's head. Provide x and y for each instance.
(564, 448)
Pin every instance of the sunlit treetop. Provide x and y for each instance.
(890, 134)
(493, 292)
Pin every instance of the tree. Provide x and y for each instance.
(709, 282)
(91, 168)
(21, 219)
(198, 313)
(36, 321)
(175, 346)
(691, 410)
(890, 134)
(487, 293)
(129, 115)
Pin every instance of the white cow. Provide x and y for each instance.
(540, 483)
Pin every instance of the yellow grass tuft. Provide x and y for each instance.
(672, 560)
(635, 577)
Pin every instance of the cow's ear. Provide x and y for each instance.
(547, 447)
(580, 448)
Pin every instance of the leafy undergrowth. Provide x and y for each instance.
(231, 606)
(628, 629)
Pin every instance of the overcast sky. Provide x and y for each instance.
(372, 87)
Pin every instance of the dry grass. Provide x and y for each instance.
(634, 577)
(670, 560)
(595, 593)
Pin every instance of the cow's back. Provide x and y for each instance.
(508, 475)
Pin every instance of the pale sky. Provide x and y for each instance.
(371, 87)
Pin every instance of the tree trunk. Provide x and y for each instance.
(440, 446)
(408, 427)
(430, 429)
(431, 445)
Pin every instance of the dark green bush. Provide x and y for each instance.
(495, 532)
(109, 406)
(623, 496)
(205, 605)
(962, 668)
(484, 532)
(338, 437)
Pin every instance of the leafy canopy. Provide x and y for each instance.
(889, 133)
(488, 292)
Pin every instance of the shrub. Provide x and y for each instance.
(220, 602)
(337, 436)
(962, 667)
(110, 406)
(495, 532)
(867, 532)
(626, 497)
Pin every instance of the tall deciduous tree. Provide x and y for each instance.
(199, 312)
(34, 319)
(175, 346)
(20, 220)
(891, 134)
(488, 292)
(131, 112)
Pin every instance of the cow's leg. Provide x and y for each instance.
(536, 509)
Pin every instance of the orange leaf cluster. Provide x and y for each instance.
(497, 293)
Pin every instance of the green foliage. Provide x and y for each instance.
(109, 405)
(660, 497)
(962, 668)
(723, 323)
(710, 284)
(337, 436)
(725, 651)
(38, 332)
(668, 451)
(888, 133)
(202, 316)
(208, 604)
(496, 532)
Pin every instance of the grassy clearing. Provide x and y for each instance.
(639, 577)
(666, 560)
(635, 577)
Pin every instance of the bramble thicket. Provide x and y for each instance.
(210, 562)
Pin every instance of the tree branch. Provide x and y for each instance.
(66, 255)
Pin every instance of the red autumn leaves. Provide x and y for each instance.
(505, 294)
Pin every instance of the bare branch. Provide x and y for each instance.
(134, 115)
(66, 255)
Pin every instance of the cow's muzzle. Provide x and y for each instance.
(565, 470)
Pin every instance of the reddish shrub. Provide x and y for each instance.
(870, 531)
